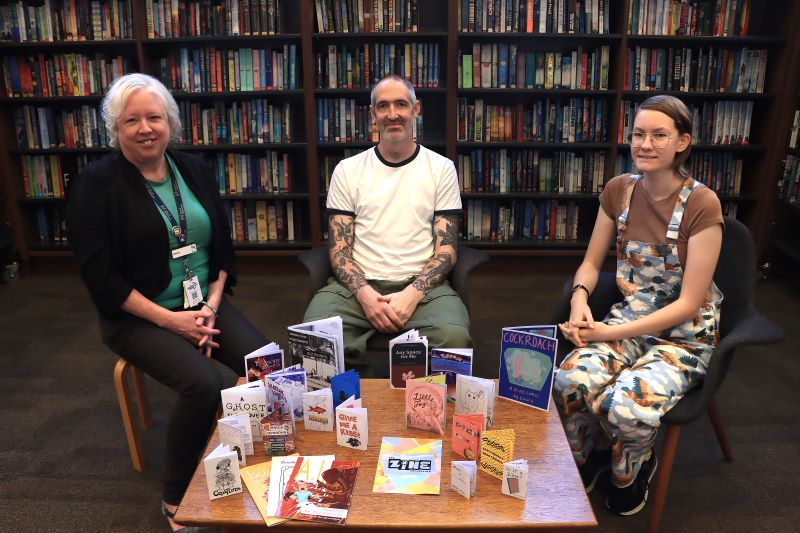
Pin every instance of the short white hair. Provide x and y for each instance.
(119, 92)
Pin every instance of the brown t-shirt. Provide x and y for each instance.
(648, 219)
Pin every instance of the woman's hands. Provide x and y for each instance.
(194, 326)
(580, 317)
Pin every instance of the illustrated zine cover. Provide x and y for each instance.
(256, 479)
(282, 470)
(294, 379)
(426, 406)
(409, 466)
(319, 496)
(527, 363)
(318, 410)
(248, 398)
(408, 358)
(475, 395)
(222, 473)
(451, 362)
(263, 361)
(467, 431)
(352, 425)
(318, 347)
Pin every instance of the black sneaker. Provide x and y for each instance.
(630, 500)
(597, 463)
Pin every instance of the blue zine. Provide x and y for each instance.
(527, 361)
(345, 385)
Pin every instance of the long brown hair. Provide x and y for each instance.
(679, 113)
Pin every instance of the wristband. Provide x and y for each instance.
(215, 311)
(578, 287)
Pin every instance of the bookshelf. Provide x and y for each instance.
(547, 169)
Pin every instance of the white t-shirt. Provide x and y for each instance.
(393, 205)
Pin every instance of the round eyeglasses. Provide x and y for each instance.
(658, 139)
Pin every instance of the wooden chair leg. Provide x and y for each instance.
(126, 410)
(719, 429)
(141, 398)
(659, 494)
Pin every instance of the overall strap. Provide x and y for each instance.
(622, 221)
(680, 208)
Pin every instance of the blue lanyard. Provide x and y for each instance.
(178, 229)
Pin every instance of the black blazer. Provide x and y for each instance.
(118, 235)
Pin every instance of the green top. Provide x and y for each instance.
(198, 230)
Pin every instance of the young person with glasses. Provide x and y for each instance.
(629, 369)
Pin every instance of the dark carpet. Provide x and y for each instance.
(64, 463)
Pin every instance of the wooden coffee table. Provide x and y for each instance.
(556, 498)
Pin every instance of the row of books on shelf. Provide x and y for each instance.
(789, 184)
(504, 65)
(227, 70)
(250, 173)
(502, 171)
(548, 120)
(61, 74)
(264, 221)
(722, 18)
(689, 70)
(347, 67)
(182, 18)
(345, 120)
(42, 176)
(327, 164)
(236, 122)
(794, 137)
(356, 16)
(45, 127)
(520, 220)
(720, 122)
(721, 172)
(50, 224)
(534, 16)
(65, 20)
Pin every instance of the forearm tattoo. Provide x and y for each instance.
(445, 235)
(341, 237)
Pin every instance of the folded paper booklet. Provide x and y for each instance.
(318, 412)
(527, 361)
(256, 479)
(475, 395)
(293, 379)
(249, 398)
(318, 347)
(515, 478)
(352, 430)
(277, 428)
(464, 477)
(345, 385)
(451, 362)
(236, 434)
(426, 405)
(222, 473)
(497, 449)
(408, 358)
(263, 361)
(409, 466)
(467, 431)
(319, 495)
(282, 470)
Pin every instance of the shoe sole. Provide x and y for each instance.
(646, 492)
(593, 485)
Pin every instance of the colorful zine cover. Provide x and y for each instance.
(426, 406)
(527, 361)
(409, 466)
(324, 496)
(408, 358)
(293, 379)
(450, 362)
(263, 361)
(345, 385)
(467, 430)
(352, 428)
(256, 479)
(497, 449)
(282, 470)
(318, 412)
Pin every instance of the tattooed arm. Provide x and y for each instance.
(341, 236)
(435, 271)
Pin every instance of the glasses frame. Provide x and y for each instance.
(653, 142)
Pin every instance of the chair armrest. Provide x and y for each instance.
(318, 263)
(468, 259)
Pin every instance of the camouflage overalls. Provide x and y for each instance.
(614, 393)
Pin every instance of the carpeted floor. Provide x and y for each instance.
(64, 464)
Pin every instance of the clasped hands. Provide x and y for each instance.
(388, 313)
(581, 328)
(197, 327)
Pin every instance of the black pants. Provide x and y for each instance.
(174, 362)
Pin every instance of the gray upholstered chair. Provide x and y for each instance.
(317, 262)
(740, 325)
